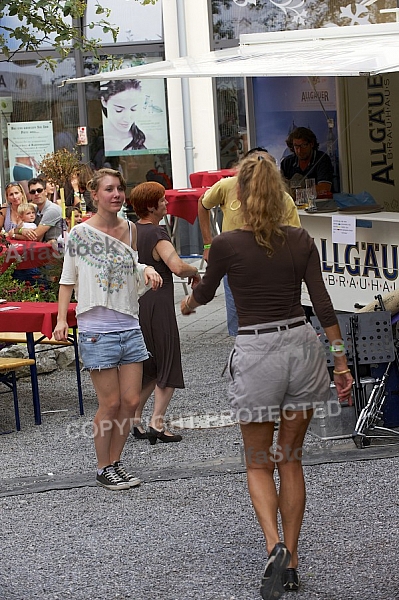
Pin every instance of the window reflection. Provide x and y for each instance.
(231, 119)
(32, 94)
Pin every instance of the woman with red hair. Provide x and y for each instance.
(162, 372)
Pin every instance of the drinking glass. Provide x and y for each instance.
(311, 193)
(293, 188)
(301, 198)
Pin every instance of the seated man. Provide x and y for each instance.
(307, 161)
(48, 217)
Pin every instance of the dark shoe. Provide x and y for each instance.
(123, 474)
(110, 480)
(153, 435)
(272, 586)
(291, 580)
(139, 435)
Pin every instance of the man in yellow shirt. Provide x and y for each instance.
(224, 194)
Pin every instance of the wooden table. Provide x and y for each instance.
(33, 317)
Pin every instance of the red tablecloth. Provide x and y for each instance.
(32, 317)
(35, 317)
(32, 254)
(208, 178)
(183, 203)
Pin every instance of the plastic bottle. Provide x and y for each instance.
(82, 205)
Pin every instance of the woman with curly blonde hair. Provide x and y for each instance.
(277, 368)
(263, 207)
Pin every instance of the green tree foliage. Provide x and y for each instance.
(48, 22)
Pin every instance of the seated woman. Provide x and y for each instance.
(9, 217)
(10, 220)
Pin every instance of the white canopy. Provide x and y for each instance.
(334, 51)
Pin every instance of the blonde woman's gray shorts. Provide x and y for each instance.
(277, 371)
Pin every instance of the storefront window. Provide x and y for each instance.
(231, 120)
(231, 18)
(14, 22)
(37, 115)
(41, 116)
(136, 22)
(281, 104)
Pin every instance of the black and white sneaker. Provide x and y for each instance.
(272, 585)
(124, 475)
(290, 580)
(110, 480)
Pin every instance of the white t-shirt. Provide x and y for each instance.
(103, 270)
(29, 226)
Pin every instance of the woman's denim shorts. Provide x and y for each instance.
(109, 350)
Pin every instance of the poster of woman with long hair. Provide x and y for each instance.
(134, 117)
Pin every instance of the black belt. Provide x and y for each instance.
(270, 329)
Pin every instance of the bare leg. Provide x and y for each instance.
(292, 495)
(130, 377)
(162, 397)
(118, 395)
(145, 393)
(106, 384)
(258, 440)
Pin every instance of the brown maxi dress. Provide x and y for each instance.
(157, 315)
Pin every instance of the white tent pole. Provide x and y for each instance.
(186, 101)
